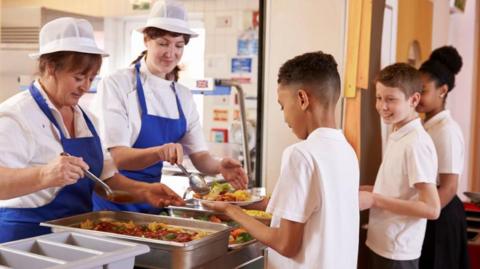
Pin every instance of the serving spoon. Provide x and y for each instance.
(115, 196)
(197, 183)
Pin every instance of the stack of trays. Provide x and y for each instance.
(69, 250)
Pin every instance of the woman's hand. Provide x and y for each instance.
(366, 200)
(171, 152)
(64, 170)
(159, 195)
(233, 172)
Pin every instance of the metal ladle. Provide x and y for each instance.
(108, 193)
(116, 196)
(197, 183)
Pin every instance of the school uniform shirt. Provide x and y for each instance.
(117, 107)
(318, 186)
(28, 138)
(409, 158)
(449, 144)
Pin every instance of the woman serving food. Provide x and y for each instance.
(38, 182)
(147, 118)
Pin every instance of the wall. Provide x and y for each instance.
(414, 24)
(441, 21)
(224, 22)
(461, 30)
(90, 7)
(292, 29)
(461, 100)
(16, 55)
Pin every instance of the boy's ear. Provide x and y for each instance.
(303, 99)
(415, 99)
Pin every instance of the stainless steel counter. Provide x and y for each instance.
(240, 258)
(249, 256)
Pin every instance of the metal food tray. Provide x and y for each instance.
(163, 254)
(69, 250)
(193, 210)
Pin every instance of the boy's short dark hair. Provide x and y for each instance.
(317, 72)
(402, 76)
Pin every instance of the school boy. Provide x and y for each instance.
(315, 201)
(404, 195)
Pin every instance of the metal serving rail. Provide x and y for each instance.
(243, 123)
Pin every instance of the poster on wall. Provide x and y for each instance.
(241, 65)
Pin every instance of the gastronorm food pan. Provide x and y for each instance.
(163, 254)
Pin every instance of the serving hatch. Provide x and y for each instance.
(163, 254)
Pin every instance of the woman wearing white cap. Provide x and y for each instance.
(36, 126)
(146, 118)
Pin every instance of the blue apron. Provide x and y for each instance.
(19, 223)
(155, 131)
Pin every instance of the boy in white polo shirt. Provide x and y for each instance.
(404, 194)
(315, 202)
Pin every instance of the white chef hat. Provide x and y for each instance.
(170, 16)
(67, 34)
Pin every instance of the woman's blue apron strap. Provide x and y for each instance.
(140, 91)
(89, 123)
(42, 104)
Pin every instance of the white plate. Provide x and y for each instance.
(253, 199)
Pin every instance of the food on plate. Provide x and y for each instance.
(225, 192)
(153, 230)
(239, 236)
(258, 214)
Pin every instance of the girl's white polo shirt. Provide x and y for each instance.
(448, 139)
(409, 158)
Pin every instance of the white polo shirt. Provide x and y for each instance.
(449, 144)
(409, 158)
(318, 186)
(117, 107)
(28, 138)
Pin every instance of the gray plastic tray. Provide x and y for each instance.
(69, 250)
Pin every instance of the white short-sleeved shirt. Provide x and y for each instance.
(117, 107)
(318, 186)
(28, 138)
(449, 144)
(409, 158)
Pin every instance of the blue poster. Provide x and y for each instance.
(241, 65)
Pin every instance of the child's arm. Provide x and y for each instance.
(368, 188)
(427, 205)
(365, 199)
(447, 188)
(286, 240)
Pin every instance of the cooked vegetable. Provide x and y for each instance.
(243, 237)
(258, 214)
(154, 230)
(239, 235)
(225, 192)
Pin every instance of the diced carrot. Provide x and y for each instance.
(237, 232)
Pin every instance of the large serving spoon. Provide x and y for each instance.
(197, 183)
(111, 195)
